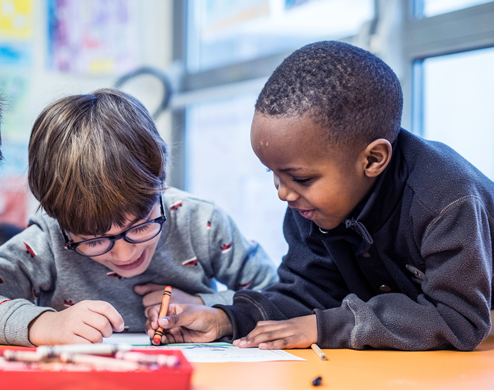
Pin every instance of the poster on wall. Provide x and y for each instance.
(93, 36)
(16, 62)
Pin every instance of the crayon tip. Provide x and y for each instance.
(157, 340)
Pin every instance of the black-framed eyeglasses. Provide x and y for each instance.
(135, 235)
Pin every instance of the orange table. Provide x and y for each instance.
(349, 369)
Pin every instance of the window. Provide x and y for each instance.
(436, 7)
(459, 105)
(222, 167)
(227, 31)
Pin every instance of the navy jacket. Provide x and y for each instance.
(411, 269)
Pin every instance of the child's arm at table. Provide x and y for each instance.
(451, 312)
(26, 268)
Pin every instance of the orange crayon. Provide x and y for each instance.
(163, 311)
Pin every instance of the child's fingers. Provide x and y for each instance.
(152, 321)
(152, 298)
(277, 344)
(99, 323)
(264, 332)
(149, 330)
(147, 288)
(173, 336)
(107, 310)
(91, 334)
(152, 314)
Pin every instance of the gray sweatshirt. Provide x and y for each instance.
(199, 244)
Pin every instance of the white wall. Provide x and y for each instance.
(155, 46)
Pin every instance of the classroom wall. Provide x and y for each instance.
(29, 86)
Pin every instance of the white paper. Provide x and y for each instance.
(207, 352)
(128, 338)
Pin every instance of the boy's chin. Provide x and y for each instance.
(128, 273)
(327, 225)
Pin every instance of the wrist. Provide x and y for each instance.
(224, 325)
(37, 329)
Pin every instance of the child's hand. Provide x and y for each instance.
(153, 294)
(298, 332)
(189, 323)
(85, 322)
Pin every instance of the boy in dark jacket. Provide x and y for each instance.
(390, 236)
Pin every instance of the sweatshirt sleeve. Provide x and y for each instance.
(236, 262)
(26, 268)
(453, 310)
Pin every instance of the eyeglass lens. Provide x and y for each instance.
(140, 233)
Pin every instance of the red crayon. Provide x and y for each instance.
(167, 293)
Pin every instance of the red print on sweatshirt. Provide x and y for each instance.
(29, 250)
(190, 262)
(208, 225)
(6, 300)
(226, 247)
(35, 293)
(68, 303)
(245, 285)
(113, 275)
(176, 205)
(1, 281)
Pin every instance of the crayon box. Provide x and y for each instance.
(176, 378)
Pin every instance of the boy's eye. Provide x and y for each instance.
(301, 181)
(94, 243)
(139, 229)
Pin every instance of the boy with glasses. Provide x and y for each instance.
(109, 236)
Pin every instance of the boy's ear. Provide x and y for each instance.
(377, 157)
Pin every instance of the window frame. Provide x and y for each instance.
(413, 39)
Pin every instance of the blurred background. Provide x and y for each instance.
(217, 54)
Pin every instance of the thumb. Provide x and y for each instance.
(147, 288)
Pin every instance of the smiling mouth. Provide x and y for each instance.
(305, 213)
(135, 264)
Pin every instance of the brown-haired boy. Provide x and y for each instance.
(109, 232)
(390, 235)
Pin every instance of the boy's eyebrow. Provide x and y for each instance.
(130, 226)
(292, 169)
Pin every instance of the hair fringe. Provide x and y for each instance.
(95, 161)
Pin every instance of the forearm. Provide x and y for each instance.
(15, 317)
(395, 321)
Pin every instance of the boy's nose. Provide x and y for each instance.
(285, 193)
(123, 251)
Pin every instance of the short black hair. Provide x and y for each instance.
(343, 88)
